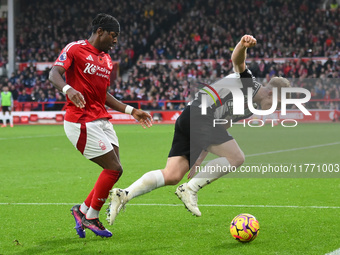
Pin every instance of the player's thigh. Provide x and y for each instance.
(109, 160)
(110, 133)
(230, 150)
(175, 169)
(4, 110)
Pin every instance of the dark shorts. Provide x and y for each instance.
(6, 109)
(195, 132)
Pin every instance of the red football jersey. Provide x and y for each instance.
(88, 70)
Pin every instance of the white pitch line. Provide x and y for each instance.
(293, 149)
(202, 205)
(25, 137)
(279, 151)
(336, 252)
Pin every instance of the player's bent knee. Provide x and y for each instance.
(237, 159)
(172, 181)
(172, 178)
(113, 166)
(119, 168)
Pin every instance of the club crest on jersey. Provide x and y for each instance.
(62, 57)
(101, 60)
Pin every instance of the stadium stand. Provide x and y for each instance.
(297, 30)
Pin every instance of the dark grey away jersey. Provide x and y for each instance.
(225, 110)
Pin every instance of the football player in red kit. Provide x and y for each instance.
(87, 67)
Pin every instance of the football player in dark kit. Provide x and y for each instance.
(195, 136)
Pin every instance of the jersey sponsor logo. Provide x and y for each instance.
(92, 69)
(59, 63)
(63, 56)
(102, 145)
(89, 58)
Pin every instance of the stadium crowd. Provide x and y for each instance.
(181, 30)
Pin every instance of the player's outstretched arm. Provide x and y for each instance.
(240, 52)
(144, 118)
(56, 78)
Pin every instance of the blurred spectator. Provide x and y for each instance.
(42, 99)
(51, 101)
(14, 91)
(24, 97)
(153, 105)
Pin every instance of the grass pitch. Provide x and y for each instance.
(42, 176)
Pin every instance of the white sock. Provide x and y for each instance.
(84, 208)
(213, 170)
(92, 214)
(11, 119)
(149, 181)
(4, 120)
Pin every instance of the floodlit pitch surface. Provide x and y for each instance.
(42, 176)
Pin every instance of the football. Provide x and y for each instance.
(244, 227)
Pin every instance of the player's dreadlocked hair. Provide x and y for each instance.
(106, 22)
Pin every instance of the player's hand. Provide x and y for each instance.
(248, 41)
(144, 118)
(76, 97)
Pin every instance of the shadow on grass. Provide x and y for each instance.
(230, 246)
(70, 245)
(67, 245)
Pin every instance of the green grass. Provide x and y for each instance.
(39, 165)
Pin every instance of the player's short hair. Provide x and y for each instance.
(106, 22)
(279, 82)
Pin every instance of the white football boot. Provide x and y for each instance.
(117, 199)
(189, 198)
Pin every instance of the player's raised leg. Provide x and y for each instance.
(174, 171)
(230, 155)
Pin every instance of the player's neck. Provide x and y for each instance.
(93, 41)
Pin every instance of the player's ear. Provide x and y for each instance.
(100, 31)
